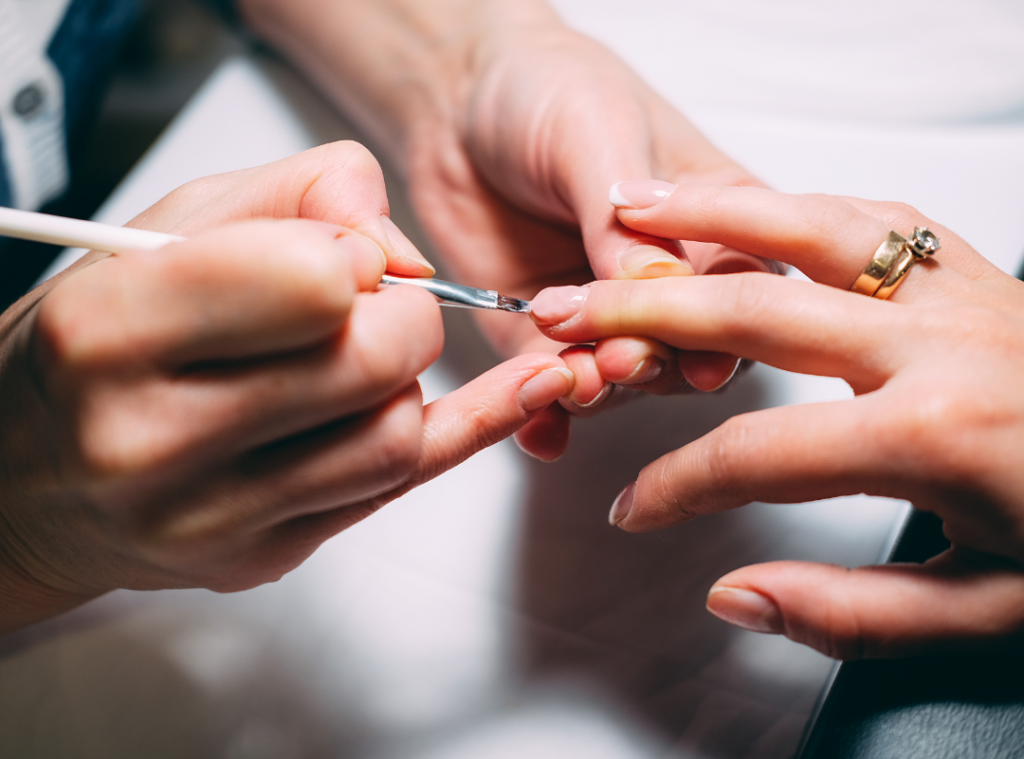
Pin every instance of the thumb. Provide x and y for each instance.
(954, 601)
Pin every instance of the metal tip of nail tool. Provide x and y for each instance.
(516, 306)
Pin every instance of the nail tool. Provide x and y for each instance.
(59, 230)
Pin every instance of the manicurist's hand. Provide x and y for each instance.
(938, 415)
(206, 415)
(510, 128)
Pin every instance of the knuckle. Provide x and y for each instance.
(119, 439)
(899, 215)
(747, 300)
(397, 449)
(62, 338)
(659, 487)
(724, 451)
(829, 218)
(203, 187)
(356, 159)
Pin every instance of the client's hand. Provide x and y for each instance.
(206, 415)
(938, 416)
(510, 127)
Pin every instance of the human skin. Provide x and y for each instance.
(508, 128)
(206, 415)
(937, 417)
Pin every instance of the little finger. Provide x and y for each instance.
(947, 604)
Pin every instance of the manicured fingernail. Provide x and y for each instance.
(406, 259)
(650, 262)
(555, 305)
(646, 371)
(597, 400)
(639, 194)
(727, 380)
(545, 388)
(622, 505)
(746, 609)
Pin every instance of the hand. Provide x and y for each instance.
(511, 128)
(938, 416)
(207, 414)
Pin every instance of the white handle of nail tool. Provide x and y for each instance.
(76, 233)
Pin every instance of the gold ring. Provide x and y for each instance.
(891, 262)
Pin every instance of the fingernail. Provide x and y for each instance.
(571, 405)
(410, 262)
(646, 371)
(727, 380)
(650, 262)
(545, 388)
(639, 194)
(622, 505)
(746, 609)
(555, 305)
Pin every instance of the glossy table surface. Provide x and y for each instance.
(492, 612)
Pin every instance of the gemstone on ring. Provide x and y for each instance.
(923, 243)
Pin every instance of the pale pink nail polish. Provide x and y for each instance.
(639, 194)
(555, 305)
(545, 388)
(623, 504)
(746, 609)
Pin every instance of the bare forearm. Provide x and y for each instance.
(390, 64)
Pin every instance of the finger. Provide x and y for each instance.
(590, 390)
(340, 183)
(789, 324)
(641, 364)
(474, 417)
(546, 436)
(880, 611)
(792, 454)
(332, 467)
(488, 409)
(707, 371)
(825, 237)
(249, 289)
(390, 337)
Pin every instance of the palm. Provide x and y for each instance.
(514, 195)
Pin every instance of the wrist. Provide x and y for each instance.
(25, 600)
(397, 68)
(25, 521)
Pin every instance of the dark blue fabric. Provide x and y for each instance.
(84, 49)
(5, 182)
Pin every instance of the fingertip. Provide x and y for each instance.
(403, 258)
(632, 361)
(707, 371)
(589, 389)
(366, 258)
(640, 193)
(745, 608)
(545, 387)
(546, 436)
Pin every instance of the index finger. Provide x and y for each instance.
(239, 291)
